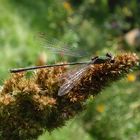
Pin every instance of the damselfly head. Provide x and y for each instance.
(102, 59)
(110, 57)
(94, 58)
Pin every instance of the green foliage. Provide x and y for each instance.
(69, 132)
(114, 115)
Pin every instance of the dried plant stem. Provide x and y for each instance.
(30, 105)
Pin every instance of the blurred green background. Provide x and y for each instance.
(91, 26)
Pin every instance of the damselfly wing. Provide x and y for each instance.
(56, 46)
(74, 79)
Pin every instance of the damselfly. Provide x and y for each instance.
(73, 80)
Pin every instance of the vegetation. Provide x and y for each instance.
(93, 26)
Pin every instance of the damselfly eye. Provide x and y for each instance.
(93, 58)
(109, 55)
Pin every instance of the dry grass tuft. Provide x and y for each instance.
(30, 105)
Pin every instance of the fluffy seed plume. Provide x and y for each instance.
(28, 106)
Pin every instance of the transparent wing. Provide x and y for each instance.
(72, 81)
(57, 46)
